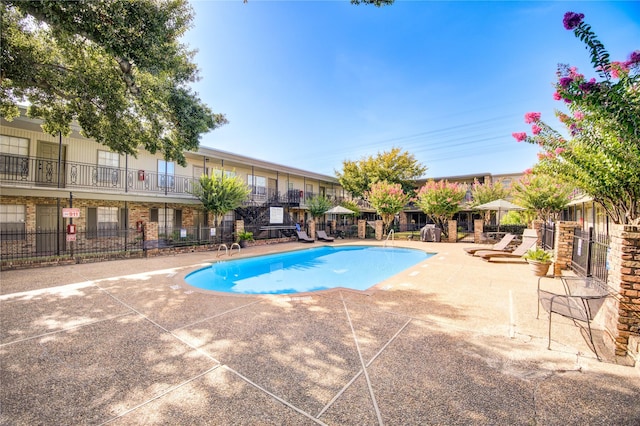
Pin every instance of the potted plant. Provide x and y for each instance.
(539, 260)
(243, 237)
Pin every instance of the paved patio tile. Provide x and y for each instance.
(90, 374)
(32, 313)
(302, 351)
(219, 397)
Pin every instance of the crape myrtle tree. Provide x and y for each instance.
(220, 194)
(318, 205)
(440, 201)
(388, 199)
(543, 194)
(394, 166)
(601, 156)
(482, 193)
(115, 66)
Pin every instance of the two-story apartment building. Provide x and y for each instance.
(42, 175)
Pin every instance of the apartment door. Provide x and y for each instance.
(273, 189)
(47, 236)
(47, 164)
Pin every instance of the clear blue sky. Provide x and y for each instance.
(311, 83)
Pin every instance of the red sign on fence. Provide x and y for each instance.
(70, 213)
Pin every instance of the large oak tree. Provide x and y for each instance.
(115, 66)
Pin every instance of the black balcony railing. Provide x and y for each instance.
(17, 170)
(21, 170)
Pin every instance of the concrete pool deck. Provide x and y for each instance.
(452, 340)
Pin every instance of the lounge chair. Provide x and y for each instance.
(499, 246)
(322, 236)
(302, 236)
(525, 245)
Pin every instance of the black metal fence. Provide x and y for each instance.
(193, 236)
(48, 243)
(548, 236)
(589, 257)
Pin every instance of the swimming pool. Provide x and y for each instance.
(321, 268)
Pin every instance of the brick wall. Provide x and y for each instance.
(563, 245)
(623, 322)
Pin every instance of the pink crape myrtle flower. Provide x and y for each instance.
(531, 117)
(535, 129)
(557, 96)
(520, 136)
(560, 151)
(578, 115)
(528, 171)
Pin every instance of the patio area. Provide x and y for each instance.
(452, 340)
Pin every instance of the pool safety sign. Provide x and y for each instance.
(276, 215)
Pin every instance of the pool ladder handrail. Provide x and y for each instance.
(228, 249)
(391, 235)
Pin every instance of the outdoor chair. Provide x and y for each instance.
(582, 299)
(525, 245)
(501, 245)
(322, 236)
(302, 236)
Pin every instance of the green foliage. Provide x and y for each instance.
(245, 236)
(517, 218)
(351, 205)
(602, 157)
(543, 194)
(393, 167)
(440, 201)
(115, 66)
(388, 199)
(220, 194)
(482, 193)
(538, 255)
(318, 205)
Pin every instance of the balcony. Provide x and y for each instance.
(31, 172)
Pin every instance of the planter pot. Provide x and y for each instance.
(539, 269)
(243, 243)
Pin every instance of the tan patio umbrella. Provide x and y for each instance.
(499, 205)
(339, 210)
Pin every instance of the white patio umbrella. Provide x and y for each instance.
(339, 210)
(499, 205)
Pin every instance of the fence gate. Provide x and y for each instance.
(589, 258)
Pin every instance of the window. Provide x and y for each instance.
(166, 170)
(258, 184)
(12, 221)
(308, 190)
(103, 221)
(227, 173)
(169, 217)
(108, 165)
(14, 156)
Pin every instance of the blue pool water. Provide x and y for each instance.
(355, 267)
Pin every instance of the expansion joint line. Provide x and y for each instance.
(175, 336)
(359, 373)
(364, 365)
(274, 396)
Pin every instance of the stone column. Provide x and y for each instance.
(362, 229)
(239, 226)
(452, 226)
(150, 242)
(537, 225)
(622, 318)
(563, 245)
(478, 229)
(378, 229)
